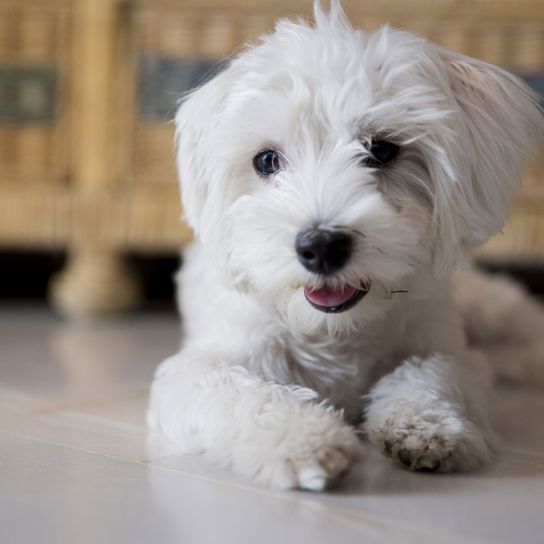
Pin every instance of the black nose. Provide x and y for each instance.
(323, 251)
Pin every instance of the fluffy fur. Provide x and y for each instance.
(266, 384)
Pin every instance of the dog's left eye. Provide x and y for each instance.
(381, 153)
(267, 162)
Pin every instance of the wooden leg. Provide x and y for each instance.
(94, 283)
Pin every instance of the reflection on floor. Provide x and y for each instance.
(77, 464)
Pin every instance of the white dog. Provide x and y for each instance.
(334, 180)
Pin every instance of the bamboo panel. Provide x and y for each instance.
(199, 33)
(516, 10)
(218, 36)
(254, 25)
(34, 49)
(523, 239)
(533, 178)
(33, 154)
(8, 153)
(34, 33)
(112, 219)
(8, 34)
(529, 48)
(38, 36)
(153, 154)
(174, 33)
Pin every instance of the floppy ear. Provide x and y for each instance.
(501, 123)
(195, 120)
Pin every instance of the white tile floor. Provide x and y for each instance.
(77, 465)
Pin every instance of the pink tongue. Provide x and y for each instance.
(330, 297)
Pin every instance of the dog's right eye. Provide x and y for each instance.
(267, 162)
(381, 153)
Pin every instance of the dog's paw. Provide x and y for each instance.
(431, 444)
(312, 461)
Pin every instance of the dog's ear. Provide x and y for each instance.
(195, 120)
(501, 122)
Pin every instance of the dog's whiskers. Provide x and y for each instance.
(358, 232)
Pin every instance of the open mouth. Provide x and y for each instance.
(333, 301)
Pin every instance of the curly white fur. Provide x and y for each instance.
(268, 385)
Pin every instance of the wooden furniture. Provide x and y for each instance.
(88, 89)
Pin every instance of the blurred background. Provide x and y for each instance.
(89, 207)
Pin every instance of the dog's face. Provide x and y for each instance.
(325, 167)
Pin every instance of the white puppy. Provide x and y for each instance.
(334, 179)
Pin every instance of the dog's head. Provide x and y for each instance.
(324, 167)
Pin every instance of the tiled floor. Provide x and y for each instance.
(77, 465)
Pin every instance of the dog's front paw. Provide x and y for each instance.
(311, 459)
(431, 443)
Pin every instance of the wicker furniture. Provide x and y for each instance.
(87, 88)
